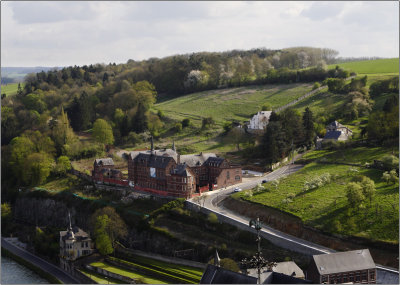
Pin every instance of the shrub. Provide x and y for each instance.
(316, 85)
(212, 218)
(186, 123)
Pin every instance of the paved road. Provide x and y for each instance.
(214, 198)
(39, 262)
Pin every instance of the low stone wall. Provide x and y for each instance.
(112, 275)
(287, 243)
(82, 277)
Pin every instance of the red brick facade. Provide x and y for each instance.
(159, 172)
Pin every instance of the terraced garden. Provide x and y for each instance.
(151, 271)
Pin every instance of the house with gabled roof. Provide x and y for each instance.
(356, 266)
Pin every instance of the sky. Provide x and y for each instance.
(53, 33)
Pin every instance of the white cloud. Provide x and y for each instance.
(68, 33)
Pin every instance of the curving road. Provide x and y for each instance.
(57, 272)
(212, 200)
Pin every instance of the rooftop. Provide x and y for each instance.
(344, 261)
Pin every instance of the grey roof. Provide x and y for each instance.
(335, 124)
(193, 160)
(344, 261)
(156, 161)
(76, 233)
(287, 268)
(182, 170)
(158, 152)
(219, 275)
(386, 277)
(214, 161)
(104, 161)
(270, 277)
(332, 135)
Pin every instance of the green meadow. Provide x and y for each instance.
(326, 207)
(10, 89)
(232, 103)
(377, 66)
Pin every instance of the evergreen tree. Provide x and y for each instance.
(308, 124)
(273, 144)
(139, 122)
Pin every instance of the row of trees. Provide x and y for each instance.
(287, 131)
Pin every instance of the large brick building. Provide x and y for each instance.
(165, 172)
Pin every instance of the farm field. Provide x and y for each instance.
(378, 66)
(232, 103)
(326, 207)
(10, 89)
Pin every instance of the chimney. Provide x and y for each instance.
(178, 158)
(152, 145)
(173, 146)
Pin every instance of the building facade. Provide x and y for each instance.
(259, 121)
(166, 173)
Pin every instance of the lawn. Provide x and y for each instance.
(327, 207)
(231, 104)
(189, 272)
(387, 65)
(111, 268)
(100, 279)
(10, 89)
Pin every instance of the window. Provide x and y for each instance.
(358, 277)
(372, 275)
(364, 276)
(228, 175)
(237, 177)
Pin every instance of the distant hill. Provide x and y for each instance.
(17, 74)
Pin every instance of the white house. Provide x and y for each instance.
(259, 121)
(74, 243)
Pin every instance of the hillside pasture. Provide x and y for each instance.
(377, 66)
(232, 103)
(326, 207)
(10, 89)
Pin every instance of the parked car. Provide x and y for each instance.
(264, 181)
(237, 189)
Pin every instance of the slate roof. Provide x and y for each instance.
(214, 161)
(335, 124)
(159, 152)
(193, 160)
(76, 233)
(104, 161)
(156, 161)
(386, 277)
(287, 268)
(182, 170)
(344, 261)
(332, 135)
(218, 275)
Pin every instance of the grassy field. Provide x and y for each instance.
(378, 66)
(10, 89)
(326, 207)
(231, 104)
(115, 269)
(100, 279)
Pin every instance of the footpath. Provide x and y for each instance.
(53, 270)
